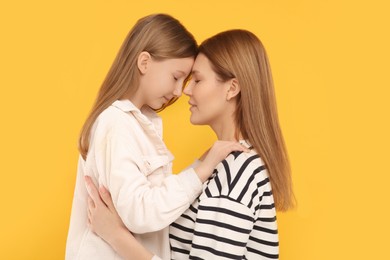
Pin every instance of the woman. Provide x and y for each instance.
(121, 144)
(231, 90)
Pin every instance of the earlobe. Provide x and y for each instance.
(234, 89)
(143, 61)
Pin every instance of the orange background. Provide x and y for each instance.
(330, 61)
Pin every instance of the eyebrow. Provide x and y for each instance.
(195, 72)
(182, 72)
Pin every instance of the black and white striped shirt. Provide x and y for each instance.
(233, 218)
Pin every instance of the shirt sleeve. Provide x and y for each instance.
(142, 206)
(222, 229)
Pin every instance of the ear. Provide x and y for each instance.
(143, 61)
(233, 89)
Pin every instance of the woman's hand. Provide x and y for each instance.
(103, 218)
(219, 151)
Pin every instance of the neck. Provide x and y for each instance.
(136, 99)
(225, 128)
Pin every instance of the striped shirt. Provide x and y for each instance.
(233, 218)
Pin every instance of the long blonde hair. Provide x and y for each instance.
(240, 54)
(163, 37)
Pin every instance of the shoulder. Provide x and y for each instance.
(245, 167)
(239, 158)
(241, 177)
(114, 116)
(114, 124)
(113, 119)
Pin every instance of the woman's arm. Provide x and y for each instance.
(106, 223)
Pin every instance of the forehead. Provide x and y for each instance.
(201, 65)
(181, 64)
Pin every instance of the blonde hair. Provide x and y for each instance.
(240, 54)
(163, 37)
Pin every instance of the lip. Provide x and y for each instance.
(191, 104)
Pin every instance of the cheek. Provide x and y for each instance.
(161, 85)
(211, 101)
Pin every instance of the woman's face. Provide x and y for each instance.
(207, 93)
(164, 80)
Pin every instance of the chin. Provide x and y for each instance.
(197, 121)
(156, 106)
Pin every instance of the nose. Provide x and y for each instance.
(188, 89)
(178, 90)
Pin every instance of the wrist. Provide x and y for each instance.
(116, 238)
(203, 172)
(124, 243)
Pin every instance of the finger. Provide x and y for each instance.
(106, 197)
(90, 221)
(92, 191)
(243, 148)
(240, 147)
(91, 204)
(89, 216)
(236, 147)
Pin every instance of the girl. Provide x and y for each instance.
(231, 90)
(121, 143)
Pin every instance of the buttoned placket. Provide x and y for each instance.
(151, 130)
(151, 123)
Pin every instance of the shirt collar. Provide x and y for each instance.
(245, 143)
(125, 105)
(146, 116)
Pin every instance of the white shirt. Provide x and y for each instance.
(127, 155)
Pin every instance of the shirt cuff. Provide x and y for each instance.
(191, 183)
(155, 258)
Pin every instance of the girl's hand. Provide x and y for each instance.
(103, 218)
(219, 151)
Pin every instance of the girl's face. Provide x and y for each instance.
(164, 80)
(207, 93)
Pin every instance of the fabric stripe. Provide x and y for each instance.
(181, 240)
(223, 225)
(271, 256)
(226, 211)
(216, 252)
(264, 242)
(174, 224)
(234, 217)
(227, 171)
(220, 239)
(266, 230)
(241, 170)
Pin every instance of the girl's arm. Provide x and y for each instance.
(117, 157)
(105, 222)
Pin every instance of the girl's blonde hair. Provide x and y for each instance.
(163, 37)
(240, 54)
